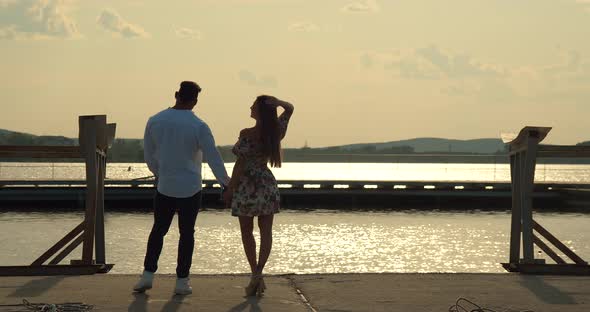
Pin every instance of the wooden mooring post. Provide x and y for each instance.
(524, 151)
(95, 137)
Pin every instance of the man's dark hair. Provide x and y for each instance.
(188, 91)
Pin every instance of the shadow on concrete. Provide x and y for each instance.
(140, 302)
(36, 287)
(251, 305)
(173, 304)
(545, 292)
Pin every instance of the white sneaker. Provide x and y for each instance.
(183, 287)
(145, 282)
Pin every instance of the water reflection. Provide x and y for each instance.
(499, 172)
(304, 242)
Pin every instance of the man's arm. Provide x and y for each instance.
(149, 150)
(212, 155)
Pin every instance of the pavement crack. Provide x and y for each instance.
(300, 293)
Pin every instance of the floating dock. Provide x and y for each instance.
(296, 194)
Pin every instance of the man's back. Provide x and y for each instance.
(172, 145)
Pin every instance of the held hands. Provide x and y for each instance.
(226, 196)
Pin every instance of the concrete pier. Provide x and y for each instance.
(318, 292)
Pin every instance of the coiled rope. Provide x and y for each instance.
(50, 307)
(464, 305)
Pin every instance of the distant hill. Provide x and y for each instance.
(123, 150)
(8, 137)
(444, 150)
(437, 145)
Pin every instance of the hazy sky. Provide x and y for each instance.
(357, 71)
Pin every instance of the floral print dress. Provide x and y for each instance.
(257, 193)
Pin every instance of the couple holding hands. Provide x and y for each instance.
(175, 141)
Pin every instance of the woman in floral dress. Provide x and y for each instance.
(253, 190)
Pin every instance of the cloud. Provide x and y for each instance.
(303, 27)
(361, 6)
(457, 90)
(565, 81)
(571, 62)
(487, 90)
(187, 33)
(37, 19)
(572, 70)
(458, 65)
(407, 64)
(585, 4)
(6, 3)
(367, 60)
(459, 74)
(251, 79)
(413, 68)
(434, 63)
(9, 33)
(110, 20)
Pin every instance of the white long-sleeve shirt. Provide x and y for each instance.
(174, 143)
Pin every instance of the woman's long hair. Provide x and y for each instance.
(269, 130)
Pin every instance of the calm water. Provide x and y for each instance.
(305, 242)
(312, 241)
(318, 171)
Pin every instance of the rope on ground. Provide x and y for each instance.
(59, 307)
(464, 305)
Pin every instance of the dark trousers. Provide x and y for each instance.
(164, 209)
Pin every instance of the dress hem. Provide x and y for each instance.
(259, 215)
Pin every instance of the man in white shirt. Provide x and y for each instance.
(174, 143)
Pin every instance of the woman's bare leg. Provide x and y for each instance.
(247, 227)
(265, 226)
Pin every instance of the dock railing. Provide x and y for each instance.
(524, 151)
(95, 137)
